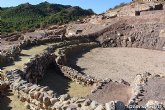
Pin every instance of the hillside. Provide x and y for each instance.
(27, 16)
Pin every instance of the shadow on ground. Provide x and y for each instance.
(4, 104)
(56, 82)
(72, 60)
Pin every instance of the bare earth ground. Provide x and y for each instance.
(120, 63)
(112, 91)
(154, 90)
(11, 102)
(62, 85)
(24, 57)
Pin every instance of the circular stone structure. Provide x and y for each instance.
(119, 63)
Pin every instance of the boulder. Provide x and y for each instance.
(110, 105)
(87, 102)
(27, 106)
(53, 101)
(94, 104)
(64, 97)
(100, 107)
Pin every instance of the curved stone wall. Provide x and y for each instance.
(9, 55)
(24, 83)
(37, 66)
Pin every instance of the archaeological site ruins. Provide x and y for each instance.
(110, 61)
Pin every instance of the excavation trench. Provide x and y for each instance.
(101, 63)
(55, 80)
(10, 101)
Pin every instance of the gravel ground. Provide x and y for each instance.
(112, 91)
(154, 90)
(119, 63)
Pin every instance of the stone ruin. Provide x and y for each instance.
(25, 87)
(138, 33)
(148, 0)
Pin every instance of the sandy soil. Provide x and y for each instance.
(154, 90)
(112, 91)
(119, 63)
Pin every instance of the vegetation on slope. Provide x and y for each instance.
(27, 16)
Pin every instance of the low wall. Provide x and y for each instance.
(152, 12)
(9, 55)
(74, 75)
(4, 85)
(64, 52)
(39, 97)
(24, 83)
(137, 36)
(37, 66)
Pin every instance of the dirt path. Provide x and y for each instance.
(120, 63)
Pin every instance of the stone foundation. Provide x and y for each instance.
(9, 55)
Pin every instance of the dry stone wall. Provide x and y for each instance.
(9, 55)
(37, 66)
(78, 77)
(38, 97)
(148, 0)
(64, 52)
(24, 83)
(125, 35)
(134, 9)
(119, 34)
(4, 85)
